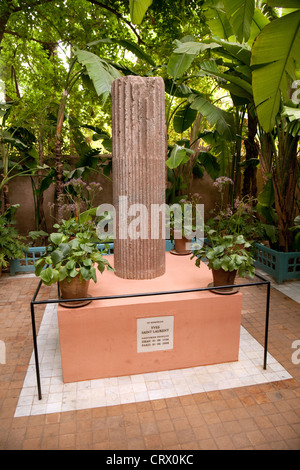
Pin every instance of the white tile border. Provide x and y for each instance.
(60, 397)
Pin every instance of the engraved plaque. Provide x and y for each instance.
(155, 334)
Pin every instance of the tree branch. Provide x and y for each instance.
(26, 4)
(118, 15)
(13, 33)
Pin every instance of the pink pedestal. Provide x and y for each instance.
(104, 338)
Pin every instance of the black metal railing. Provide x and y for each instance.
(35, 302)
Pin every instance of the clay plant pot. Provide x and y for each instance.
(224, 278)
(76, 289)
(180, 244)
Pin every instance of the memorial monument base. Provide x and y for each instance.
(134, 335)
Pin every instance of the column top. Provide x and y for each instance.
(139, 79)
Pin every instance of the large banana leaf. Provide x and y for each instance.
(184, 118)
(238, 81)
(240, 14)
(138, 9)
(217, 19)
(283, 3)
(128, 45)
(184, 54)
(240, 52)
(101, 72)
(223, 120)
(292, 113)
(179, 156)
(178, 64)
(194, 47)
(258, 23)
(273, 57)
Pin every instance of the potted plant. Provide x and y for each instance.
(71, 259)
(183, 224)
(227, 256)
(11, 242)
(228, 251)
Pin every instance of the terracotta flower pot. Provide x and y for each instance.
(76, 289)
(224, 278)
(180, 244)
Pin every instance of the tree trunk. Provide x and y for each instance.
(40, 201)
(252, 153)
(59, 179)
(285, 185)
(5, 195)
(3, 22)
(58, 153)
(194, 145)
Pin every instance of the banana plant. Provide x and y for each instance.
(275, 51)
(138, 9)
(275, 55)
(12, 141)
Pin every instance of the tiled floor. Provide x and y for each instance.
(58, 397)
(290, 288)
(218, 407)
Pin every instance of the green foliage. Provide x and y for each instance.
(217, 19)
(216, 116)
(229, 252)
(71, 252)
(274, 57)
(283, 3)
(138, 9)
(240, 14)
(179, 155)
(184, 118)
(11, 243)
(101, 73)
(18, 156)
(296, 230)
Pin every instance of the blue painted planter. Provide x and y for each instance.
(26, 264)
(281, 266)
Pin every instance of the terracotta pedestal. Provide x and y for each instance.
(102, 339)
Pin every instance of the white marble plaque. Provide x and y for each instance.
(155, 334)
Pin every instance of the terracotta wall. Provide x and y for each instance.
(20, 192)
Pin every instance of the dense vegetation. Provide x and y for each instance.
(231, 70)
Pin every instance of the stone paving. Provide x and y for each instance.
(237, 416)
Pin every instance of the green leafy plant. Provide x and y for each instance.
(227, 248)
(185, 216)
(70, 256)
(228, 252)
(296, 230)
(11, 242)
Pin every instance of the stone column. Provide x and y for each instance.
(139, 150)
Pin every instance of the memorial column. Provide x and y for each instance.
(139, 154)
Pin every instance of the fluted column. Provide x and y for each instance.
(139, 148)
